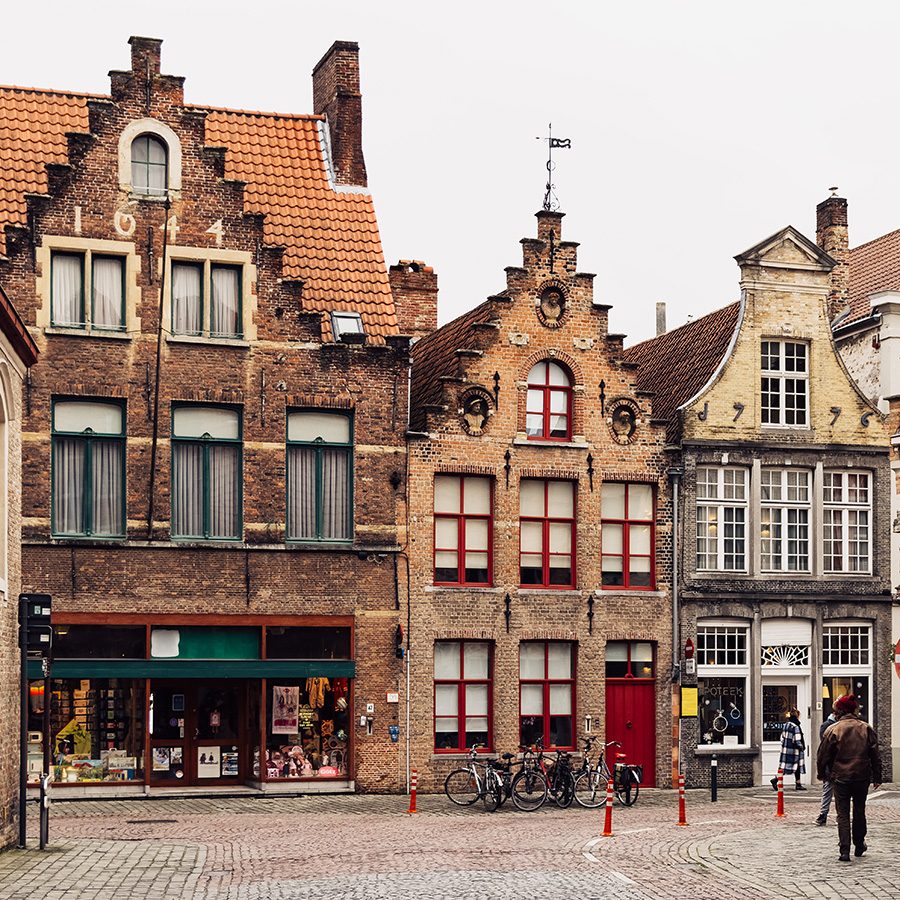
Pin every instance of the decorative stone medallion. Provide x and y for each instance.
(551, 304)
(474, 410)
(623, 419)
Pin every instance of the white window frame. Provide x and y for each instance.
(782, 374)
(725, 670)
(845, 508)
(783, 507)
(840, 668)
(720, 504)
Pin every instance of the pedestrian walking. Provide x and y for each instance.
(793, 750)
(849, 758)
(827, 786)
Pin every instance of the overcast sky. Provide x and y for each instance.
(699, 127)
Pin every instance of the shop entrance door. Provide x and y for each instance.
(197, 732)
(780, 693)
(631, 720)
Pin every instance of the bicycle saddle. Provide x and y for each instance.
(621, 755)
(507, 756)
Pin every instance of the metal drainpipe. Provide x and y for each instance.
(675, 474)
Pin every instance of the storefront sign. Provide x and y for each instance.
(689, 702)
(285, 708)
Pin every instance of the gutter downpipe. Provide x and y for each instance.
(675, 474)
(408, 577)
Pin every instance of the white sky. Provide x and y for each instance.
(699, 127)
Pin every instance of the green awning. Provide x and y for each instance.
(195, 668)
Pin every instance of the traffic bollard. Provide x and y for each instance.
(45, 812)
(779, 812)
(714, 778)
(413, 784)
(607, 826)
(682, 819)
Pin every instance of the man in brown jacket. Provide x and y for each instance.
(848, 756)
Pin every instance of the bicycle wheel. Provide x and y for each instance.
(529, 791)
(462, 787)
(627, 789)
(493, 795)
(563, 789)
(590, 789)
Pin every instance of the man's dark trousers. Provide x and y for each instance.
(844, 792)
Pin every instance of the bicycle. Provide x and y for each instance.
(529, 788)
(492, 786)
(591, 780)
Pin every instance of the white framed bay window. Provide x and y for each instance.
(723, 682)
(206, 473)
(319, 475)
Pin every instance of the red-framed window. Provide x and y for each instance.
(547, 693)
(463, 528)
(546, 533)
(548, 408)
(630, 659)
(462, 695)
(628, 540)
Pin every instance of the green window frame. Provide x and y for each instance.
(95, 257)
(55, 257)
(317, 463)
(197, 266)
(239, 272)
(92, 463)
(202, 452)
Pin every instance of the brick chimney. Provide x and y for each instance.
(336, 95)
(832, 236)
(415, 290)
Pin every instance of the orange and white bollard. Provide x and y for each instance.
(682, 818)
(413, 784)
(779, 812)
(607, 826)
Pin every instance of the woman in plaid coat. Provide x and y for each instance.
(793, 750)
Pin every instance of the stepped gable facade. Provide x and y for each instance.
(214, 451)
(784, 562)
(540, 537)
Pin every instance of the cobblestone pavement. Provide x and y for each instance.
(245, 848)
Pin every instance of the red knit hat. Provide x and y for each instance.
(846, 704)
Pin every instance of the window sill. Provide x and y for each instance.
(456, 755)
(631, 592)
(203, 339)
(81, 538)
(458, 588)
(88, 333)
(555, 591)
(540, 442)
(152, 198)
(721, 749)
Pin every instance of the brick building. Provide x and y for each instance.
(527, 437)
(865, 313)
(17, 353)
(784, 558)
(214, 454)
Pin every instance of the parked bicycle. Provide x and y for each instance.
(592, 778)
(490, 782)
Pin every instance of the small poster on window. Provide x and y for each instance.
(285, 709)
(230, 764)
(160, 759)
(209, 762)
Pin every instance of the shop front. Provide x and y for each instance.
(263, 702)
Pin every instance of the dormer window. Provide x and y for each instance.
(347, 327)
(548, 412)
(149, 166)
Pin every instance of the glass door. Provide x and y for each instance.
(219, 746)
(779, 695)
(170, 703)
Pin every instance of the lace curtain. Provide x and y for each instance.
(335, 475)
(186, 300)
(225, 302)
(107, 289)
(66, 290)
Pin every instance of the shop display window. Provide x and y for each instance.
(91, 642)
(308, 728)
(96, 729)
(723, 710)
(839, 686)
(294, 642)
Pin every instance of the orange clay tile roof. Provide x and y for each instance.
(874, 267)
(435, 356)
(675, 365)
(330, 237)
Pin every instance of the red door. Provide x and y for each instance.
(631, 720)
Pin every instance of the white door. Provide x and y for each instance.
(780, 693)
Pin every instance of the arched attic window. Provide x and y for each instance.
(149, 165)
(548, 410)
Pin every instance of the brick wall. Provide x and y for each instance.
(511, 335)
(285, 365)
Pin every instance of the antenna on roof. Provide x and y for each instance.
(551, 201)
(833, 190)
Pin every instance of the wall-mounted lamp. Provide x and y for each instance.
(590, 613)
(506, 610)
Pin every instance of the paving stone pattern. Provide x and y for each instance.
(245, 848)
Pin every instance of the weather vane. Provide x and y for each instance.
(551, 201)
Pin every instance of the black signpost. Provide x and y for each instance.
(35, 642)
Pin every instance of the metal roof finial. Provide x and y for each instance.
(551, 201)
